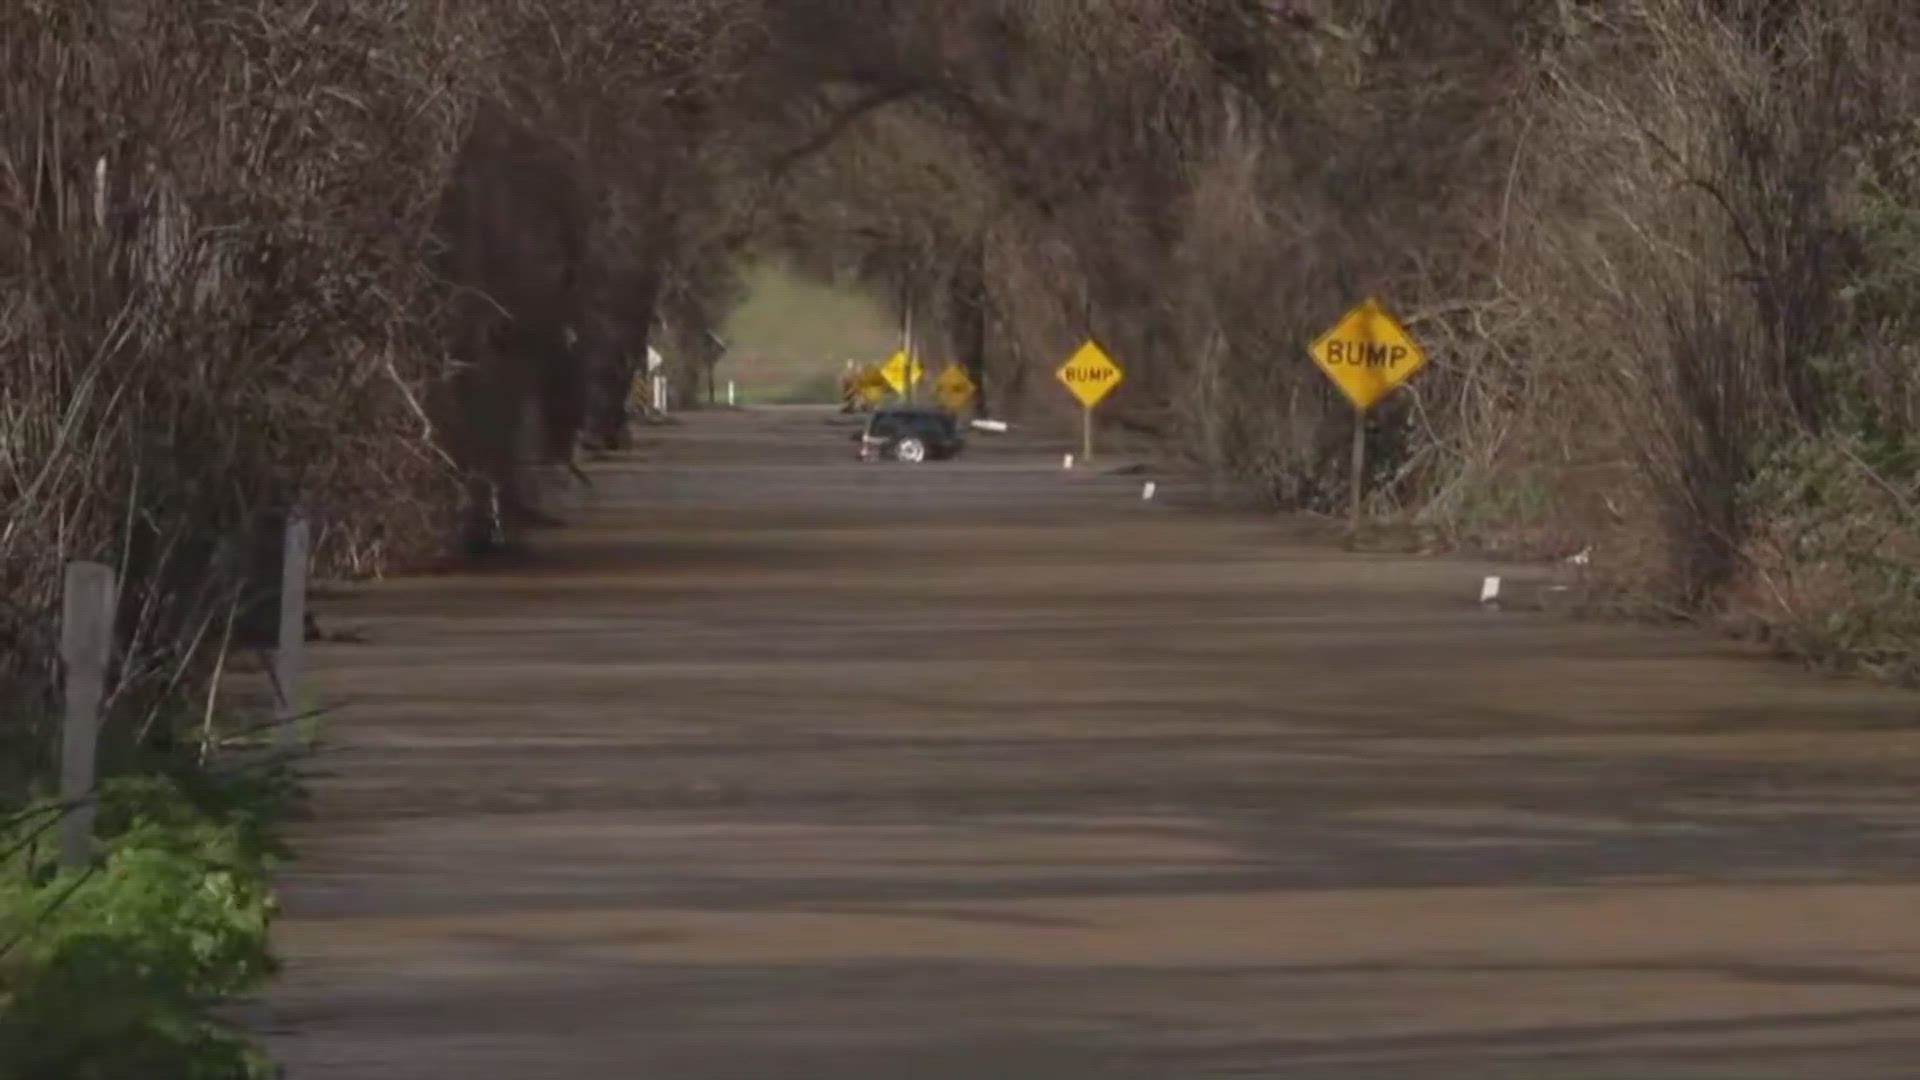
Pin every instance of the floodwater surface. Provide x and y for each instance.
(777, 765)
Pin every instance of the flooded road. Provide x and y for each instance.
(778, 765)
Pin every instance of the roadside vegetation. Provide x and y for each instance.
(396, 261)
(790, 337)
(120, 970)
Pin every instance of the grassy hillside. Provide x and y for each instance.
(790, 339)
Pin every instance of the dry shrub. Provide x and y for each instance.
(1708, 240)
(212, 222)
(241, 242)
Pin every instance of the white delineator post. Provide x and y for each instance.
(289, 660)
(86, 644)
(730, 398)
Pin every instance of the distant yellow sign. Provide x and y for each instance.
(955, 388)
(1090, 374)
(1368, 354)
(901, 372)
(870, 385)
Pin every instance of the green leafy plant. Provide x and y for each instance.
(117, 970)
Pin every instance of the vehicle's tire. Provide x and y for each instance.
(910, 450)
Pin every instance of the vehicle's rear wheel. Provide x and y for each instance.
(912, 451)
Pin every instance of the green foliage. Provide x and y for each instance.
(1839, 503)
(116, 971)
(1870, 385)
(791, 336)
(817, 389)
(1839, 551)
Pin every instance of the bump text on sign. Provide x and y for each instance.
(1367, 354)
(1090, 374)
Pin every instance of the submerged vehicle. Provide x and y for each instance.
(910, 433)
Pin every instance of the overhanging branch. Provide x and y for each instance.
(880, 93)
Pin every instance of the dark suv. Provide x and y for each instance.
(910, 433)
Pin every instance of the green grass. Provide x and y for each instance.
(792, 336)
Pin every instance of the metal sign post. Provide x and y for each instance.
(1359, 468)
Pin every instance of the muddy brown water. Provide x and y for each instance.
(779, 765)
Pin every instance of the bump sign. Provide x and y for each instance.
(870, 385)
(1368, 354)
(1090, 374)
(902, 372)
(955, 388)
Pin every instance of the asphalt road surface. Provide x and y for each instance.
(779, 765)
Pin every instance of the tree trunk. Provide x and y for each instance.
(970, 323)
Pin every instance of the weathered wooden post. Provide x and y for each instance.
(86, 645)
(289, 659)
(273, 611)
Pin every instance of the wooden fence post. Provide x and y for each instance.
(86, 644)
(289, 658)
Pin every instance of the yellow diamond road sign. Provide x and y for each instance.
(955, 388)
(1368, 353)
(1090, 374)
(870, 385)
(901, 373)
